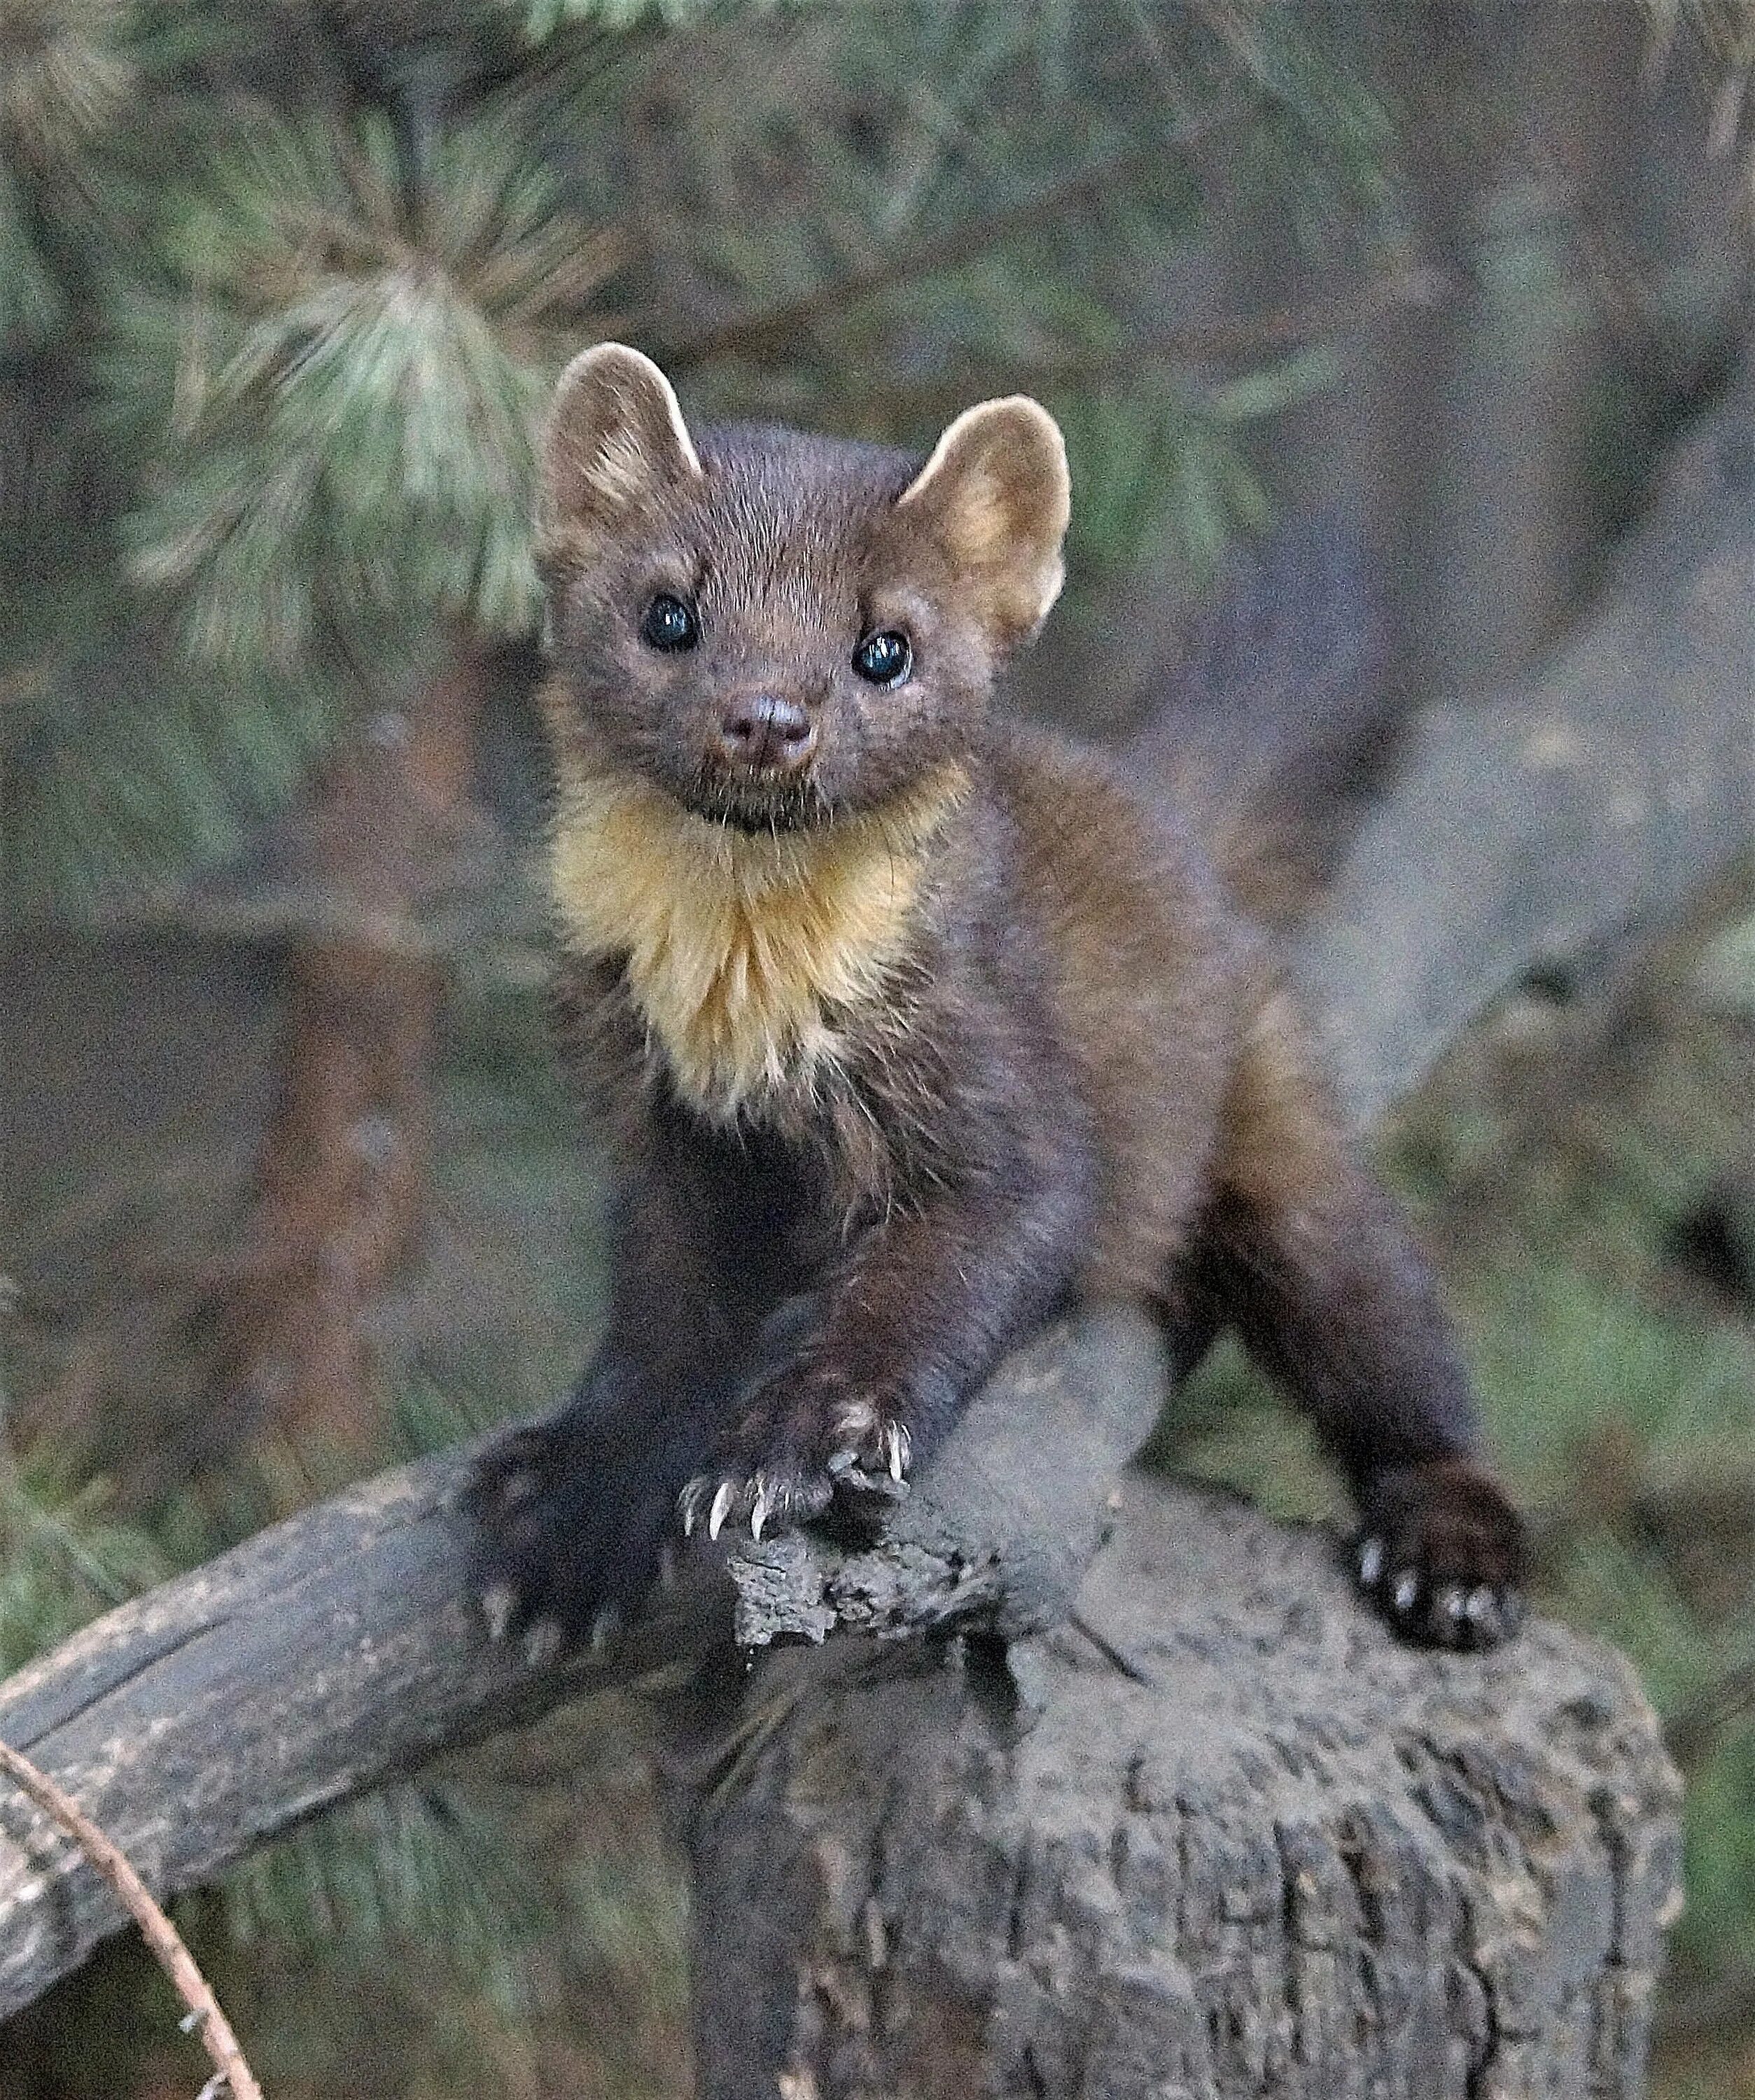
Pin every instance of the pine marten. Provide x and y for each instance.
(909, 1026)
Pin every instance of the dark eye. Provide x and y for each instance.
(668, 623)
(885, 659)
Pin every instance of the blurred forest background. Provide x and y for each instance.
(289, 1186)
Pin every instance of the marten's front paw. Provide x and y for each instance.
(1442, 1553)
(570, 1534)
(802, 1437)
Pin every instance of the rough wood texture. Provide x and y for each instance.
(1231, 1840)
(999, 1530)
(342, 1647)
(301, 1668)
(1217, 1831)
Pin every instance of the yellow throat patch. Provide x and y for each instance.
(737, 943)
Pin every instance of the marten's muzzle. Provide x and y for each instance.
(763, 733)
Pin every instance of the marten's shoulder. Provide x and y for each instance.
(1101, 855)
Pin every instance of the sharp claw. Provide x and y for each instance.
(604, 1628)
(1490, 1616)
(689, 1506)
(894, 1452)
(1406, 1591)
(542, 1643)
(721, 1509)
(1371, 1561)
(499, 1602)
(759, 1513)
(1453, 1604)
(840, 1463)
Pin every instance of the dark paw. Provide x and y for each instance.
(1441, 1553)
(801, 1440)
(570, 1535)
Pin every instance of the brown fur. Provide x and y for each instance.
(910, 1040)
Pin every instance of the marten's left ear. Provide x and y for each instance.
(616, 442)
(996, 495)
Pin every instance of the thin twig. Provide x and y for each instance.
(1117, 1658)
(205, 2018)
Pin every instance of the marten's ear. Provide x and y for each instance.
(615, 440)
(996, 495)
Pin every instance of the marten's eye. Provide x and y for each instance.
(669, 623)
(885, 659)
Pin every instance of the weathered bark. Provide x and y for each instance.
(1229, 1839)
(1220, 1827)
(344, 1167)
(342, 1647)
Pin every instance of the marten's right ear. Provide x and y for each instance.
(616, 441)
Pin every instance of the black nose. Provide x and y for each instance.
(763, 730)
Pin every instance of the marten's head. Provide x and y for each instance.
(776, 630)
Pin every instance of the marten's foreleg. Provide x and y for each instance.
(573, 1512)
(901, 1330)
(1307, 1258)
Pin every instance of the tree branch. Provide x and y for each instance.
(1533, 826)
(343, 1647)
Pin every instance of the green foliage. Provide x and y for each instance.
(542, 18)
(412, 1867)
(453, 1930)
(31, 302)
(1726, 973)
(311, 273)
(337, 382)
(63, 1557)
(65, 77)
(1565, 1361)
(129, 766)
(68, 76)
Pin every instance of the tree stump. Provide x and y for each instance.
(1217, 1835)
(1117, 1792)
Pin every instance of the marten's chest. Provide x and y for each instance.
(748, 959)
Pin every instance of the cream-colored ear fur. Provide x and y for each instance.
(615, 437)
(997, 492)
